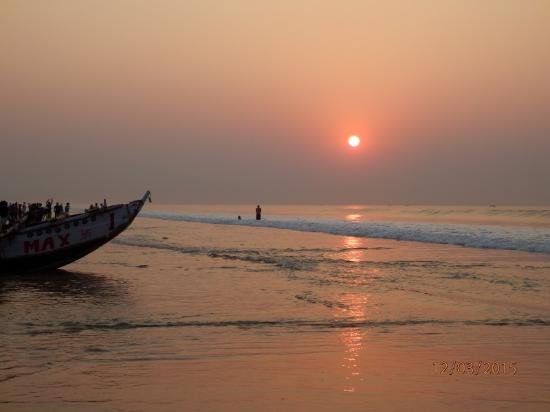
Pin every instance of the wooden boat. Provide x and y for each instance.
(56, 243)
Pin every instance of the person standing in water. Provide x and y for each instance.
(258, 213)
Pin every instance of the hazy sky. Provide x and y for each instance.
(251, 101)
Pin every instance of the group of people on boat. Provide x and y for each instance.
(15, 214)
(97, 206)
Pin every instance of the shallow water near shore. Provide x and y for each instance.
(183, 315)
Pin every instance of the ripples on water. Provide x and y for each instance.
(181, 292)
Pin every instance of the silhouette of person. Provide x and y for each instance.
(4, 212)
(258, 213)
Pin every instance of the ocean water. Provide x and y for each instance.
(511, 227)
(314, 307)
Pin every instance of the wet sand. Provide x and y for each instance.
(202, 317)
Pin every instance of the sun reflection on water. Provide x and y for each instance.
(352, 249)
(353, 217)
(352, 308)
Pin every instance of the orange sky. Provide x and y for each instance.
(241, 101)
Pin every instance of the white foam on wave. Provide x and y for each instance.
(478, 236)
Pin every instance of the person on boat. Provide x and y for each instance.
(258, 213)
(37, 213)
(3, 213)
(49, 209)
(67, 208)
(13, 213)
(17, 211)
(60, 210)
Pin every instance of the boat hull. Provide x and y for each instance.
(55, 244)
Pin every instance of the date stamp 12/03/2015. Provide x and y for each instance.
(476, 368)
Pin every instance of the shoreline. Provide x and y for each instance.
(490, 237)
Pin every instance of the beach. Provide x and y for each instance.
(275, 206)
(186, 315)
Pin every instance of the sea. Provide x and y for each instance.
(314, 307)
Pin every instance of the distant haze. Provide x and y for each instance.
(253, 101)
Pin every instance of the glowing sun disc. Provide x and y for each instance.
(354, 141)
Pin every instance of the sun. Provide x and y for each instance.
(354, 141)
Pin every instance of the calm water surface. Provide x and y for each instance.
(184, 315)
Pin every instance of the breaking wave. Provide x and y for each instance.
(477, 236)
